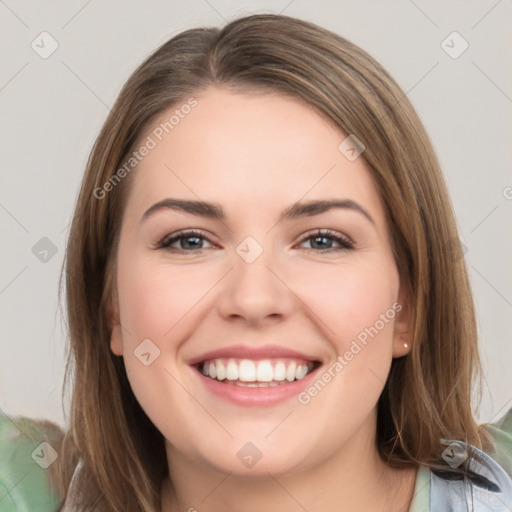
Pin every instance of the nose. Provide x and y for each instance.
(256, 293)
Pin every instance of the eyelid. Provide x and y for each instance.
(167, 240)
(326, 231)
(344, 241)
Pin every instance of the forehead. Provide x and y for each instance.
(248, 150)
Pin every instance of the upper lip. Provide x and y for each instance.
(251, 352)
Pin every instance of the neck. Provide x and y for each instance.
(352, 479)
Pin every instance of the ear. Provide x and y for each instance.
(116, 332)
(404, 322)
(116, 340)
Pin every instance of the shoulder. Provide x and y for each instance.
(28, 451)
(501, 433)
(488, 486)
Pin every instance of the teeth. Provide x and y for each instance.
(265, 372)
(257, 385)
(231, 370)
(221, 370)
(250, 373)
(290, 372)
(279, 372)
(246, 371)
(301, 372)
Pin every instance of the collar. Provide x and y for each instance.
(489, 490)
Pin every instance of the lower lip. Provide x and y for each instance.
(267, 396)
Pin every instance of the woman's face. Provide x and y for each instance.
(218, 327)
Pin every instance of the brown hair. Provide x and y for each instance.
(428, 393)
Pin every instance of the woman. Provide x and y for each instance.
(264, 303)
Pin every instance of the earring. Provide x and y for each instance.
(405, 345)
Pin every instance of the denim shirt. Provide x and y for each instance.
(489, 490)
(25, 485)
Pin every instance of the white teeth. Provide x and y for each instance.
(257, 385)
(265, 372)
(280, 372)
(246, 371)
(231, 370)
(301, 372)
(290, 372)
(250, 373)
(221, 370)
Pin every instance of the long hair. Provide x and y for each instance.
(427, 396)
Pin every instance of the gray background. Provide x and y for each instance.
(52, 109)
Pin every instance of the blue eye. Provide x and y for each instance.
(323, 240)
(193, 241)
(189, 241)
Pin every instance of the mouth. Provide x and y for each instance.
(254, 376)
(264, 373)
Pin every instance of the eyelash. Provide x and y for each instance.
(345, 243)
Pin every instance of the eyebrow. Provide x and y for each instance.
(296, 210)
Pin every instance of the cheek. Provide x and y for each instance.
(355, 307)
(159, 308)
(352, 302)
(156, 306)
(154, 299)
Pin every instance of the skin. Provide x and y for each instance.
(256, 155)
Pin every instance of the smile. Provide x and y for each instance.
(250, 375)
(256, 373)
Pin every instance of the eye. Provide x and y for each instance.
(191, 241)
(187, 242)
(322, 241)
